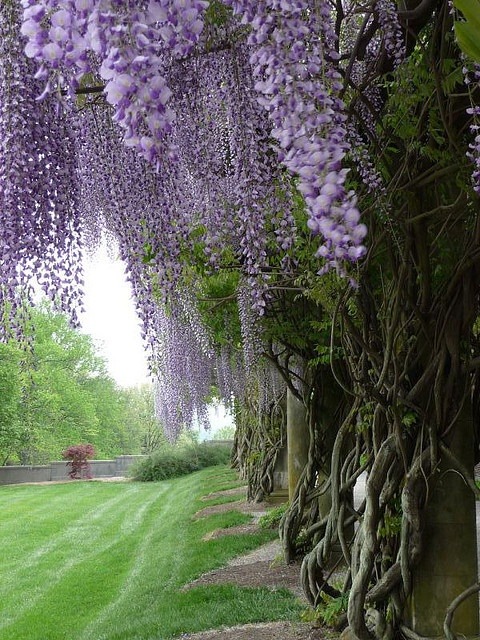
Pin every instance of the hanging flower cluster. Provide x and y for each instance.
(236, 181)
(293, 45)
(131, 200)
(129, 45)
(203, 126)
(363, 162)
(392, 33)
(472, 80)
(252, 342)
(223, 176)
(474, 153)
(38, 184)
(229, 380)
(144, 210)
(185, 366)
(255, 178)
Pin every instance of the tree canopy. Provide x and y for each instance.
(58, 393)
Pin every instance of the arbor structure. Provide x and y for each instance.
(250, 137)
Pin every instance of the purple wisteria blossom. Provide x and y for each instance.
(472, 80)
(128, 46)
(205, 125)
(474, 153)
(131, 48)
(365, 167)
(40, 232)
(185, 365)
(299, 88)
(392, 32)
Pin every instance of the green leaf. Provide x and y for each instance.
(468, 39)
(471, 11)
(468, 33)
(148, 254)
(452, 79)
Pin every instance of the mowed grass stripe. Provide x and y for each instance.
(72, 552)
(58, 525)
(118, 576)
(151, 605)
(78, 543)
(39, 505)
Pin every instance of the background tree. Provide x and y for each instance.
(14, 435)
(140, 419)
(59, 392)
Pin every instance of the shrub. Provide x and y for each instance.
(78, 456)
(179, 461)
(330, 611)
(271, 520)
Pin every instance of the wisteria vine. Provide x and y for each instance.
(294, 46)
(232, 137)
(41, 228)
(131, 48)
(232, 118)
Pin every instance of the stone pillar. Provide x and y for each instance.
(279, 493)
(298, 440)
(449, 562)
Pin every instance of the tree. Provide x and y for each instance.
(226, 432)
(58, 392)
(141, 421)
(249, 136)
(57, 409)
(13, 434)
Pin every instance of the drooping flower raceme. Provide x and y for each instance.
(293, 45)
(472, 80)
(128, 45)
(392, 34)
(131, 44)
(138, 50)
(185, 365)
(40, 235)
(225, 158)
(144, 211)
(365, 167)
(474, 153)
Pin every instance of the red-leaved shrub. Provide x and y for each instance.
(78, 456)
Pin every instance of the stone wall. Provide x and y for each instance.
(58, 470)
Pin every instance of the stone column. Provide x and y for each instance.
(449, 563)
(298, 440)
(279, 492)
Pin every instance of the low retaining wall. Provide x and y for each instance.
(226, 443)
(58, 470)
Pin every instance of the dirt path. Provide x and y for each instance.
(263, 631)
(263, 567)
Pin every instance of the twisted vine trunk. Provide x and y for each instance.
(414, 550)
(410, 353)
(311, 490)
(410, 342)
(259, 437)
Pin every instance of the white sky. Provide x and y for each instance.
(111, 319)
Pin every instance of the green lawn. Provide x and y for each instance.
(98, 561)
